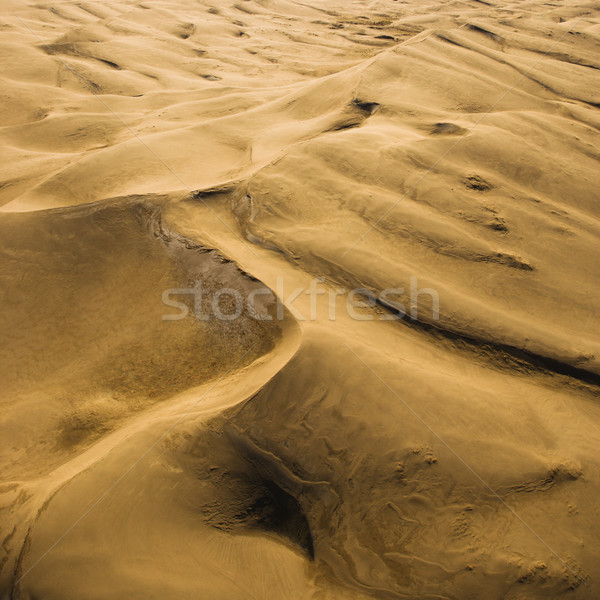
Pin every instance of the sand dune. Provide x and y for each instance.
(432, 445)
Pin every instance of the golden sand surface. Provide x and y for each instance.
(434, 435)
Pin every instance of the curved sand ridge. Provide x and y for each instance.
(90, 351)
(153, 146)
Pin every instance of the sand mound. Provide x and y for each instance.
(368, 489)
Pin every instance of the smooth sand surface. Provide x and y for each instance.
(271, 147)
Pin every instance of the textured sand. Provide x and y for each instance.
(255, 146)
